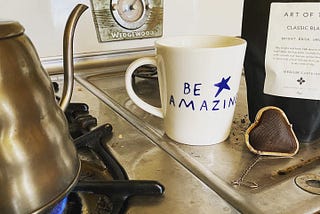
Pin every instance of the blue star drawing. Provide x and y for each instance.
(223, 84)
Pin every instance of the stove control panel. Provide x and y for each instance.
(117, 20)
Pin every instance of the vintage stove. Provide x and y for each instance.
(282, 185)
(139, 144)
(196, 179)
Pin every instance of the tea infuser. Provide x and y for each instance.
(270, 135)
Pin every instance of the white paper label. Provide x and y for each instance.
(292, 60)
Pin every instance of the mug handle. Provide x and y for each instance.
(133, 96)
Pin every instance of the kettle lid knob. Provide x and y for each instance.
(10, 29)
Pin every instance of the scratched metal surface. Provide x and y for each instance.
(217, 165)
(144, 160)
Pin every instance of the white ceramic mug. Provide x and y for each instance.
(199, 78)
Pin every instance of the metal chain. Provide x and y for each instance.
(240, 181)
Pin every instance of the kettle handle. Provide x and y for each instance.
(68, 55)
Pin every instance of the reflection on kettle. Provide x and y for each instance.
(38, 161)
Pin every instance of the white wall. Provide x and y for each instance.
(44, 21)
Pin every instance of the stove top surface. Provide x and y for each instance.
(142, 161)
(217, 166)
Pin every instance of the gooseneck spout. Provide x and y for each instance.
(68, 64)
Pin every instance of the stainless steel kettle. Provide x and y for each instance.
(38, 161)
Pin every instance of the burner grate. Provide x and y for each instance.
(103, 195)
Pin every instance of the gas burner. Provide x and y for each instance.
(103, 186)
(79, 119)
(146, 72)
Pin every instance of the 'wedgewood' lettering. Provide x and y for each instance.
(133, 34)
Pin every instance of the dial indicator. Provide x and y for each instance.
(119, 20)
(130, 14)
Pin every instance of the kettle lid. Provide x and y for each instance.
(10, 29)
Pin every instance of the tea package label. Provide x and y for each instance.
(292, 60)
